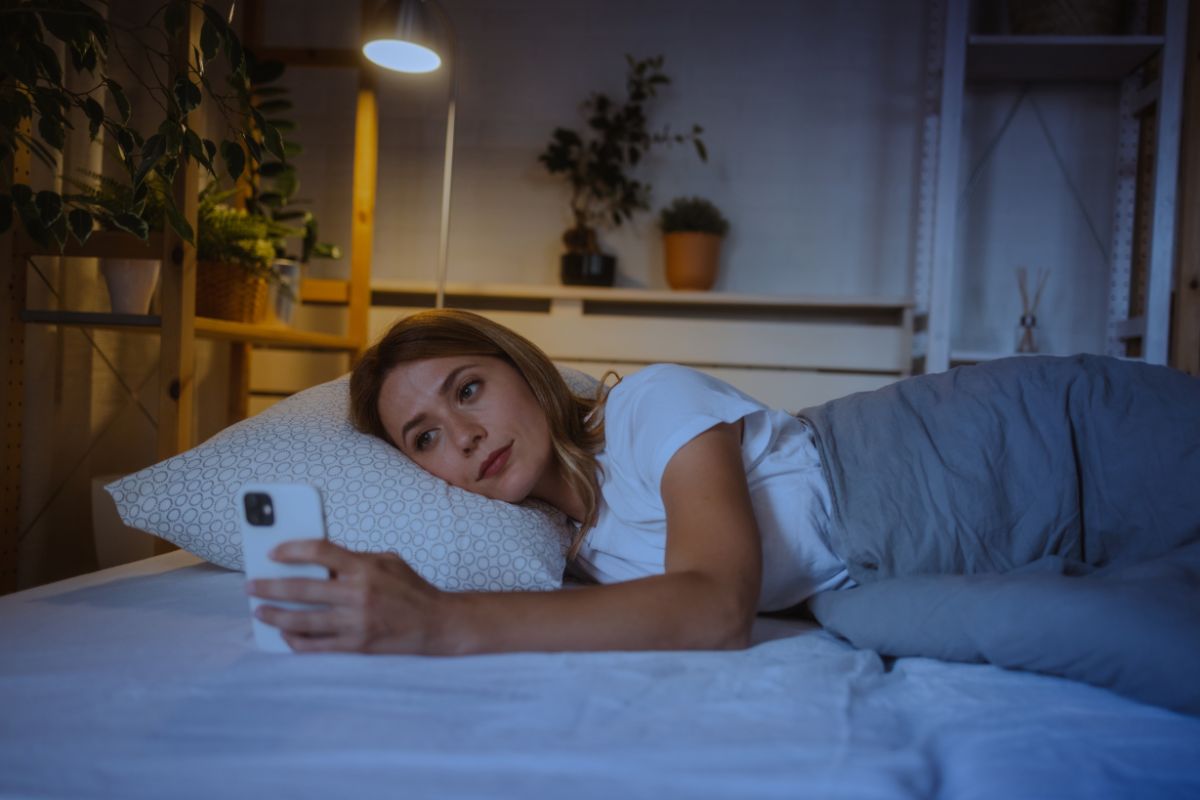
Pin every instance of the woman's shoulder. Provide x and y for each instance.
(656, 376)
(675, 390)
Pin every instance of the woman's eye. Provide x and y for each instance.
(423, 439)
(468, 390)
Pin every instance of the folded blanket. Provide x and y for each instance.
(1022, 475)
(1134, 629)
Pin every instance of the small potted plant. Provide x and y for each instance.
(599, 167)
(692, 232)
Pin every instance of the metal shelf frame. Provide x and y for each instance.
(955, 59)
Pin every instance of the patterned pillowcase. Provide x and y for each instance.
(375, 498)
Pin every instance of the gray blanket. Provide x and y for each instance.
(989, 510)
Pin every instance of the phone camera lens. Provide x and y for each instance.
(258, 509)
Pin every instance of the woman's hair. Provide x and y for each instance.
(576, 434)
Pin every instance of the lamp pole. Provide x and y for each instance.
(439, 300)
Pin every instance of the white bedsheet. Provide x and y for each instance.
(143, 681)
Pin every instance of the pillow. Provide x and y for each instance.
(375, 498)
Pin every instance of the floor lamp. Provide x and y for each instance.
(402, 35)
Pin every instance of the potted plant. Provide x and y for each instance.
(599, 166)
(692, 232)
(242, 254)
(236, 250)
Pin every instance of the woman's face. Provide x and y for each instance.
(470, 420)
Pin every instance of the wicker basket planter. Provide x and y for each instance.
(230, 291)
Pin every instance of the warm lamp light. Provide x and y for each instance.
(402, 56)
(401, 35)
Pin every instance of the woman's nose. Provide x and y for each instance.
(468, 434)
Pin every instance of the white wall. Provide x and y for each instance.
(1028, 208)
(810, 111)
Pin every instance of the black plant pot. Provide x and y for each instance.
(588, 269)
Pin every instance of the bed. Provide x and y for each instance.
(143, 681)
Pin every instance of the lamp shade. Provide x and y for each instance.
(403, 35)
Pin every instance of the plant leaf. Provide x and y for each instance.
(22, 195)
(273, 139)
(195, 148)
(51, 131)
(187, 94)
(58, 229)
(234, 157)
(118, 96)
(153, 150)
(50, 206)
(701, 150)
(271, 169)
(95, 115)
(179, 222)
(210, 39)
(81, 224)
(48, 60)
(132, 223)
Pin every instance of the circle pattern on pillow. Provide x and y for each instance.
(375, 499)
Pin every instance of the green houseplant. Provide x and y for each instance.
(37, 107)
(692, 232)
(599, 164)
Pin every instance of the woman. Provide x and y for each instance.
(697, 506)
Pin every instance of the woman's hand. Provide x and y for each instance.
(376, 602)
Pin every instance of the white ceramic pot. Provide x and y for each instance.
(131, 283)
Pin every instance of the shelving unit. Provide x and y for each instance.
(1150, 71)
(177, 325)
(789, 352)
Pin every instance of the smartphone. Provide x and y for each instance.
(270, 514)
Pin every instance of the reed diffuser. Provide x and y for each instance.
(1027, 332)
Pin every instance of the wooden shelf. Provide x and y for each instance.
(425, 290)
(1057, 58)
(261, 335)
(93, 319)
(101, 244)
(272, 335)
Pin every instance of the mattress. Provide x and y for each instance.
(143, 681)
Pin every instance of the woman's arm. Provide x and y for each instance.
(706, 600)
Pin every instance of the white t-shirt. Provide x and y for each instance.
(654, 412)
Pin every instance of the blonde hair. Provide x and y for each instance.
(576, 433)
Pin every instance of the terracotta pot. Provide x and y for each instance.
(130, 283)
(692, 260)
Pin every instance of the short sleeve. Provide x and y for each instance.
(651, 414)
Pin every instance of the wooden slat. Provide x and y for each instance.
(648, 296)
(271, 336)
(1185, 334)
(239, 381)
(101, 244)
(366, 148)
(177, 359)
(327, 292)
(204, 327)
(12, 300)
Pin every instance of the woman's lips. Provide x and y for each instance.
(495, 462)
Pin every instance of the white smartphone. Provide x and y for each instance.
(270, 514)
